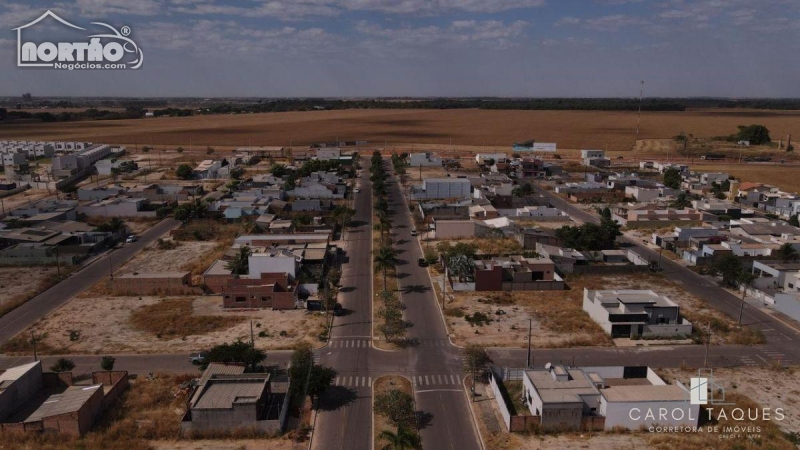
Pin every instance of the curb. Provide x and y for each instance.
(475, 426)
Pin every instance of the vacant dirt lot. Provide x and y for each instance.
(22, 281)
(105, 326)
(570, 129)
(558, 316)
(771, 388)
(154, 259)
(502, 319)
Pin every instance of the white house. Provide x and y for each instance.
(628, 313)
(276, 261)
(424, 160)
(442, 188)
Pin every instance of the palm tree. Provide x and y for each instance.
(787, 252)
(385, 260)
(401, 440)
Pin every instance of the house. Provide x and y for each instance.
(516, 273)
(328, 154)
(207, 169)
(228, 400)
(117, 207)
(648, 215)
(99, 193)
(482, 158)
(35, 401)
(441, 188)
(276, 291)
(648, 194)
(605, 397)
(423, 160)
(630, 313)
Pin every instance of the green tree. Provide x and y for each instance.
(320, 381)
(236, 352)
(209, 150)
(756, 134)
(522, 190)
(787, 252)
(240, 264)
(179, 149)
(672, 178)
(62, 365)
(107, 363)
(794, 221)
(184, 172)
(476, 358)
(385, 259)
(342, 214)
(237, 173)
(730, 268)
(112, 225)
(682, 200)
(403, 439)
(397, 406)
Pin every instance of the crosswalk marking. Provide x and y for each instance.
(426, 379)
(453, 377)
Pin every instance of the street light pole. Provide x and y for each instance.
(530, 329)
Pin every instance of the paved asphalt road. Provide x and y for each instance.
(34, 309)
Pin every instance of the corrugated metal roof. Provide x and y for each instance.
(69, 401)
(224, 393)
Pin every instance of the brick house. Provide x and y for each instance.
(516, 273)
(272, 291)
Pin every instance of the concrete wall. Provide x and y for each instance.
(146, 284)
(20, 391)
(453, 229)
(788, 304)
(79, 422)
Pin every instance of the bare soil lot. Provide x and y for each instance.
(612, 130)
(501, 319)
(17, 282)
(558, 316)
(105, 325)
(154, 259)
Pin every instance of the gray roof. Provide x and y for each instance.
(215, 368)
(69, 401)
(225, 391)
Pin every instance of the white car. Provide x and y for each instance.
(357, 190)
(132, 238)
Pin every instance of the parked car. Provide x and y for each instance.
(357, 190)
(422, 262)
(314, 305)
(197, 358)
(413, 232)
(338, 309)
(131, 238)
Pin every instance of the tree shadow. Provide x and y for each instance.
(357, 223)
(415, 289)
(401, 262)
(424, 419)
(408, 342)
(402, 241)
(347, 289)
(337, 397)
(400, 276)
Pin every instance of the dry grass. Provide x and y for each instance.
(558, 319)
(483, 129)
(34, 281)
(149, 410)
(172, 318)
(103, 325)
(383, 385)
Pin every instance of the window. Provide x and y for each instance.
(240, 299)
(265, 299)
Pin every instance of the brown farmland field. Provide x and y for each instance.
(614, 131)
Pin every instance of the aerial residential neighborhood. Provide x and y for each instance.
(399, 225)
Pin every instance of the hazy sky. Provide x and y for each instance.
(734, 48)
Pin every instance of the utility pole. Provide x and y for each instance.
(530, 329)
(708, 341)
(741, 308)
(252, 337)
(639, 119)
(33, 341)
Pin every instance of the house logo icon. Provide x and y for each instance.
(704, 391)
(103, 50)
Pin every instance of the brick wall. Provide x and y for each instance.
(143, 284)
